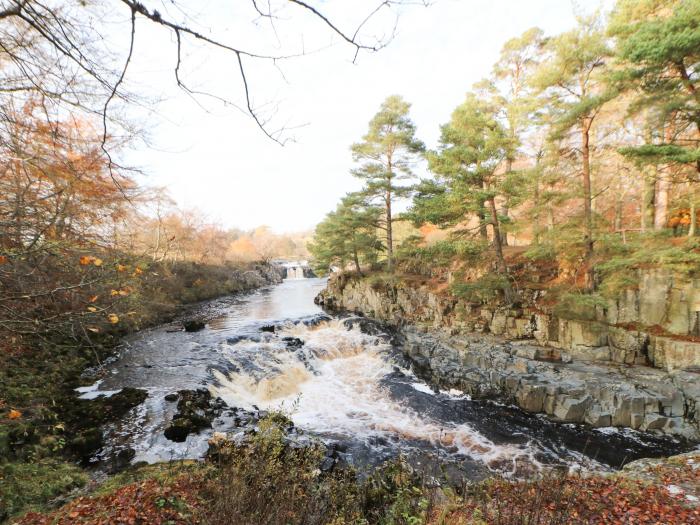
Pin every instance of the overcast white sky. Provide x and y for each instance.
(219, 162)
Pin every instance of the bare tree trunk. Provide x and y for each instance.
(618, 214)
(481, 215)
(506, 208)
(648, 198)
(587, 201)
(356, 260)
(692, 230)
(537, 227)
(661, 204)
(498, 247)
(389, 234)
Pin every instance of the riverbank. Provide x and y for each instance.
(265, 480)
(489, 350)
(44, 430)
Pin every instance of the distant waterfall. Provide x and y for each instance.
(295, 272)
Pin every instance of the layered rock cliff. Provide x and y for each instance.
(632, 364)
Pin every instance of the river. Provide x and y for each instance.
(342, 385)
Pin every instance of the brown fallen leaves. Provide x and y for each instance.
(573, 500)
(151, 501)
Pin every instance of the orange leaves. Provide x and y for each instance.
(138, 271)
(87, 260)
(3, 259)
(14, 414)
(176, 501)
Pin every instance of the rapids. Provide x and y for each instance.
(274, 349)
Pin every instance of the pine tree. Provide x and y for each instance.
(473, 145)
(387, 155)
(347, 235)
(570, 80)
(658, 43)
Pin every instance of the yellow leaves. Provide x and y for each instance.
(91, 309)
(122, 293)
(97, 261)
(94, 329)
(14, 414)
(121, 268)
(113, 318)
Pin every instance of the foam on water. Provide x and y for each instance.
(333, 385)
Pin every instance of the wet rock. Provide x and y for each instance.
(267, 328)
(121, 460)
(327, 464)
(171, 397)
(316, 320)
(293, 343)
(90, 414)
(193, 325)
(196, 411)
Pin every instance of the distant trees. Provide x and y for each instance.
(386, 157)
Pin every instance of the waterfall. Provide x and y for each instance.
(295, 272)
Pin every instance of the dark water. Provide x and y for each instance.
(340, 385)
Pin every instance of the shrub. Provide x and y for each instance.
(483, 290)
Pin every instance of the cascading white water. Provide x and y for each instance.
(295, 272)
(333, 386)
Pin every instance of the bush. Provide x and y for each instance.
(268, 481)
(484, 290)
(424, 260)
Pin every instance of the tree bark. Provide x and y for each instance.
(498, 247)
(356, 260)
(648, 199)
(692, 230)
(587, 201)
(389, 234)
(661, 204)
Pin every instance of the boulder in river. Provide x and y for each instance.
(193, 325)
(196, 410)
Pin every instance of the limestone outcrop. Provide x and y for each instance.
(634, 364)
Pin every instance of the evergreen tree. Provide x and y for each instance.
(387, 155)
(347, 235)
(473, 145)
(658, 43)
(570, 80)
